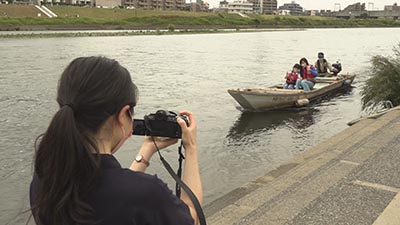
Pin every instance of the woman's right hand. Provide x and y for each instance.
(189, 133)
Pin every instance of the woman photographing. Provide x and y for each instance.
(76, 178)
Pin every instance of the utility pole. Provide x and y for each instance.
(337, 6)
(371, 6)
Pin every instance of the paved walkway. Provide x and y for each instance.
(352, 178)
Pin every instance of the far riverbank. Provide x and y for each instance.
(137, 32)
(24, 18)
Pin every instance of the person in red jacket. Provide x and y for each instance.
(291, 77)
(308, 73)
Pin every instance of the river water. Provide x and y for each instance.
(189, 72)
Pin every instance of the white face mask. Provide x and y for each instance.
(124, 137)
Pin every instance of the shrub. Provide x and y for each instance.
(384, 83)
(171, 27)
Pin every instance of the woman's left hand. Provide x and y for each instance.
(161, 142)
(148, 149)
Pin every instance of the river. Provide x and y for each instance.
(190, 72)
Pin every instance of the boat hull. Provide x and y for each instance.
(272, 98)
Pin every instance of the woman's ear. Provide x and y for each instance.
(123, 114)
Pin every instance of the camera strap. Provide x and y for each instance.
(179, 172)
(192, 196)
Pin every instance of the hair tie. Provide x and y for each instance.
(71, 106)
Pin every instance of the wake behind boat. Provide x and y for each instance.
(275, 97)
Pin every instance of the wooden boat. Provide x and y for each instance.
(275, 97)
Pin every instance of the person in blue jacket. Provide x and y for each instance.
(77, 180)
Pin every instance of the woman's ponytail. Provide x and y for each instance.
(66, 168)
(90, 91)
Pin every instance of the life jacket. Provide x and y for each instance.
(291, 78)
(322, 67)
(307, 74)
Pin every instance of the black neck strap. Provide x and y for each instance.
(180, 183)
(179, 172)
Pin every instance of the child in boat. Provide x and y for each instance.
(291, 77)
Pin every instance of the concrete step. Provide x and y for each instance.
(281, 194)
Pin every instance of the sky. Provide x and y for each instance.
(324, 4)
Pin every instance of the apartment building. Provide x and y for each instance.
(250, 6)
(156, 4)
(293, 7)
(240, 7)
(264, 6)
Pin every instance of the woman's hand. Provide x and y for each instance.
(191, 175)
(148, 149)
(189, 133)
(161, 143)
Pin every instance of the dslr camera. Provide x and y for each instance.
(160, 124)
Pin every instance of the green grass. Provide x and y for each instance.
(68, 16)
(96, 13)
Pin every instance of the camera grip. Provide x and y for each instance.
(185, 118)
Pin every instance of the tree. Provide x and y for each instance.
(384, 83)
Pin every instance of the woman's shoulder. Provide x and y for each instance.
(156, 192)
(132, 178)
(142, 183)
(138, 193)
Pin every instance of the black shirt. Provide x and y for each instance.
(125, 197)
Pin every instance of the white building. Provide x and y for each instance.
(283, 12)
(240, 7)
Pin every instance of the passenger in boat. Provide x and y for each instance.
(308, 73)
(292, 77)
(323, 65)
(77, 180)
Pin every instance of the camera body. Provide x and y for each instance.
(160, 124)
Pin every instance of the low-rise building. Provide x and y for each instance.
(393, 7)
(198, 6)
(355, 7)
(107, 3)
(358, 10)
(283, 12)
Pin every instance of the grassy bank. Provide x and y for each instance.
(76, 17)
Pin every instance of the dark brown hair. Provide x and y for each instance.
(90, 90)
(304, 60)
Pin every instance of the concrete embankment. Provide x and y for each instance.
(352, 178)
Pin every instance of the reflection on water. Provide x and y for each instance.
(250, 123)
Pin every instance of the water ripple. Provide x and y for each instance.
(187, 72)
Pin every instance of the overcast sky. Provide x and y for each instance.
(323, 4)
